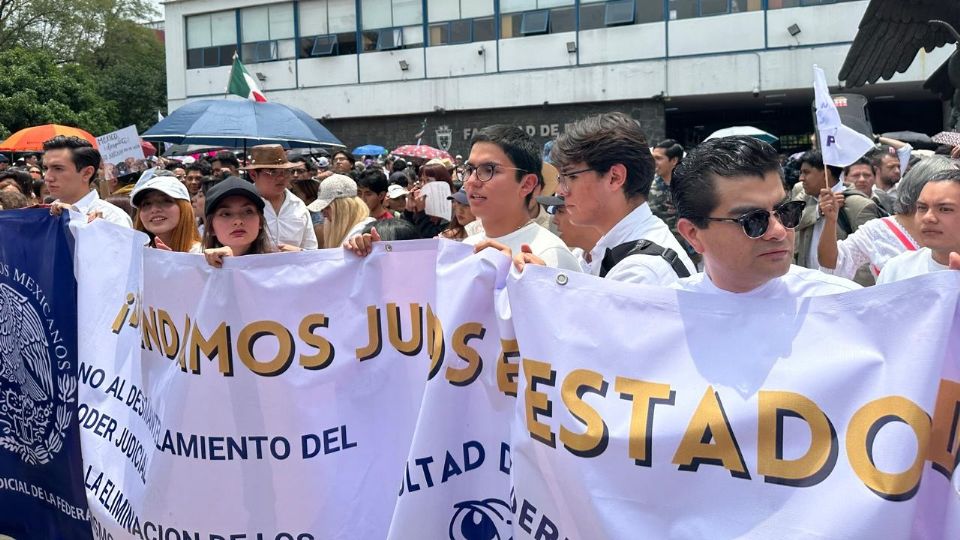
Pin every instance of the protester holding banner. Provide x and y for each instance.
(235, 224)
(72, 164)
(165, 212)
(879, 240)
(734, 211)
(938, 216)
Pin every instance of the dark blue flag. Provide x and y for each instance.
(41, 484)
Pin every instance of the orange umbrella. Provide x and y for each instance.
(31, 139)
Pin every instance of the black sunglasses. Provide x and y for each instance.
(755, 222)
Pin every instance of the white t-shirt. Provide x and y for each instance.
(798, 282)
(91, 202)
(293, 225)
(543, 243)
(873, 242)
(909, 264)
(640, 224)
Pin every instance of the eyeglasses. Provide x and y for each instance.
(564, 178)
(273, 173)
(555, 209)
(755, 222)
(485, 171)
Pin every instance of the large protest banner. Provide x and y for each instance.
(319, 395)
(652, 413)
(41, 490)
(272, 399)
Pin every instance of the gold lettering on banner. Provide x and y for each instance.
(260, 329)
(218, 345)
(593, 441)
(645, 396)
(412, 345)
(945, 437)
(374, 336)
(325, 350)
(538, 403)
(436, 348)
(507, 370)
(709, 439)
(816, 464)
(469, 373)
(862, 432)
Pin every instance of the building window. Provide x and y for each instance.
(392, 24)
(267, 33)
(327, 28)
(211, 39)
(533, 17)
(687, 9)
(460, 21)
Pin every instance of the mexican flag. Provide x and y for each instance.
(242, 84)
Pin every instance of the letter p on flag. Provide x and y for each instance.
(839, 144)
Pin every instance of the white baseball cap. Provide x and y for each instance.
(335, 186)
(396, 190)
(161, 180)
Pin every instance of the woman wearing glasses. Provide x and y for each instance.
(879, 240)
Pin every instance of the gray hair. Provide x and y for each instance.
(909, 188)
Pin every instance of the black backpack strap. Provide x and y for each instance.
(642, 247)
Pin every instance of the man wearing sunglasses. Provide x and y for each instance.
(734, 211)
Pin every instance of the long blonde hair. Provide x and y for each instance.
(184, 236)
(345, 213)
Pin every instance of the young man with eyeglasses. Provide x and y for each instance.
(288, 222)
(500, 177)
(606, 170)
(733, 209)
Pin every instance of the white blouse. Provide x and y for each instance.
(875, 243)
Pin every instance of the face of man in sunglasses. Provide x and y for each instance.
(734, 261)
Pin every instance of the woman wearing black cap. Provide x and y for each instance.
(234, 222)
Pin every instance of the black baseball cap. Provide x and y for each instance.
(231, 186)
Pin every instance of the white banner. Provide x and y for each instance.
(314, 395)
(652, 413)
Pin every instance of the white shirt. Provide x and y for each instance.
(91, 202)
(798, 282)
(640, 224)
(909, 264)
(543, 243)
(874, 243)
(293, 225)
(358, 228)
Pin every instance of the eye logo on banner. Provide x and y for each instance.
(444, 138)
(487, 519)
(33, 414)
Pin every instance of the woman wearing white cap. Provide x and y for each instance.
(164, 212)
(344, 213)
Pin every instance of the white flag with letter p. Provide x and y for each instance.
(839, 144)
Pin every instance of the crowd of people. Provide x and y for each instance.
(731, 215)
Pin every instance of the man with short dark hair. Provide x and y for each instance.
(195, 173)
(605, 174)
(857, 210)
(862, 175)
(938, 216)
(500, 177)
(372, 188)
(732, 208)
(72, 164)
(225, 164)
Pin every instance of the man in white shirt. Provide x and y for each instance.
(288, 222)
(500, 178)
(732, 208)
(938, 216)
(72, 164)
(606, 170)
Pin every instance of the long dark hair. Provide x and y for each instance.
(261, 244)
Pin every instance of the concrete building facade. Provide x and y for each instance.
(381, 71)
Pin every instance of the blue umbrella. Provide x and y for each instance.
(369, 150)
(238, 123)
